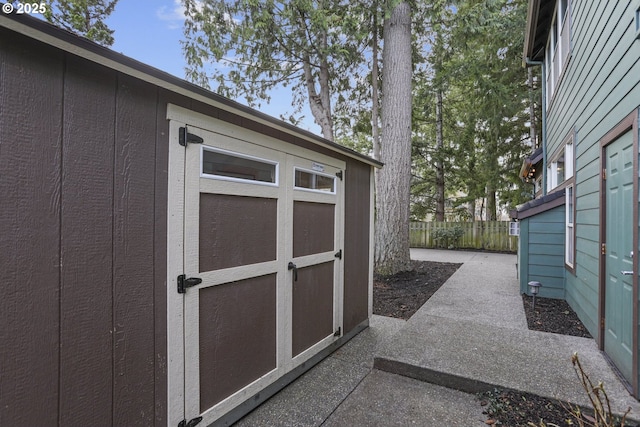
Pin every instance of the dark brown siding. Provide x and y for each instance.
(236, 230)
(356, 244)
(83, 180)
(133, 253)
(86, 340)
(237, 336)
(312, 306)
(313, 228)
(30, 129)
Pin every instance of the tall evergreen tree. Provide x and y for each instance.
(475, 64)
(393, 180)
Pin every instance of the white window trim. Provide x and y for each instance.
(570, 229)
(241, 156)
(566, 151)
(314, 172)
(556, 58)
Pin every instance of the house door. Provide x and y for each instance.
(262, 283)
(618, 336)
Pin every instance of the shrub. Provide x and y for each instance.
(448, 237)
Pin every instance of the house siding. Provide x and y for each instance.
(542, 252)
(604, 54)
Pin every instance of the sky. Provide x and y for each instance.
(150, 32)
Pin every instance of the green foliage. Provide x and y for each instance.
(496, 402)
(448, 238)
(83, 17)
(246, 48)
(476, 62)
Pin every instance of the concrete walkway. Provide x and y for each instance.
(470, 336)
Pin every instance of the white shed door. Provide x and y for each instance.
(263, 233)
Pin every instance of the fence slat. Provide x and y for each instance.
(489, 235)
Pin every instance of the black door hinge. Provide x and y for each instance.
(184, 283)
(338, 332)
(338, 254)
(339, 175)
(188, 138)
(191, 423)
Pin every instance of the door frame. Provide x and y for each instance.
(176, 216)
(628, 124)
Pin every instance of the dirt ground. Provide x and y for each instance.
(401, 295)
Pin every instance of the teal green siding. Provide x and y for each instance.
(541, 252)
(599, 88)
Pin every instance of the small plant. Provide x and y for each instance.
(598, 399)
(448, 237)
(496, 403)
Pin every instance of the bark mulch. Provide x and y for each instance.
(402, 294)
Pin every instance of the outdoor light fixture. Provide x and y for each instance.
(534, 288)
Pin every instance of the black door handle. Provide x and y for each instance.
(292, 266)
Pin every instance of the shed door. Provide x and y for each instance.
(249, 211)
(619, 305)
(315, 212)
(234, 218)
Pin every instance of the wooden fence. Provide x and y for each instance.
(488, 235)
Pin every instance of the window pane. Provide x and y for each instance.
(569, 228)
(314, 181)
(235, 166)
(560, 171)
(569, 160)
(570, 205)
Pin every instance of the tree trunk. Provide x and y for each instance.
(492, 208)
(374, 86)
(393, 180)
(439, 161)
(320, 104)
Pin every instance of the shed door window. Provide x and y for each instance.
(222, 164)
(308, 180)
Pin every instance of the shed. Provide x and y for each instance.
(168, 254)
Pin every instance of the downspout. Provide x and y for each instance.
(530, 63)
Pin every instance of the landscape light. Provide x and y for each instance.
(534, 288)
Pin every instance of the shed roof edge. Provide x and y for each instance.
(49, 34)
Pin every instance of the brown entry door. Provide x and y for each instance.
(315, 198)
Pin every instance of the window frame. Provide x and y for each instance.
(276, 164)
(570, 227)
(318, 173)
(566, 151)
(558, 49)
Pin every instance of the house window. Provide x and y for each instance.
(569, 248)
(560, 168)
(558, 47)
